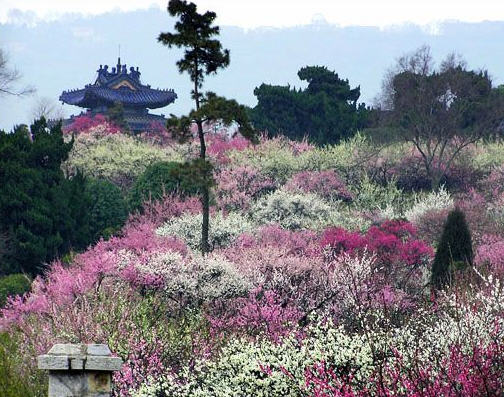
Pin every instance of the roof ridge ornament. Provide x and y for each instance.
(111, 86)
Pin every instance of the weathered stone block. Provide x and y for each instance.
(99, 382)
(101, 363)
(47, 361)
(67, 384)
(98, 350)
(77, 364)
(79, 370)
(61, 349)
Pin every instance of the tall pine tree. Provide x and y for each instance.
(203, 56)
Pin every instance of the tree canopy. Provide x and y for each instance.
(441, 111)
(324, 112)
(42, 213)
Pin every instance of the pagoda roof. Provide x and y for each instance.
(118, 86)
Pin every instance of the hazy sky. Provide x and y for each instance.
(65, 53)
(279, 13)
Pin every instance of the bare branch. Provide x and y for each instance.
(9, 78)
(47, 108)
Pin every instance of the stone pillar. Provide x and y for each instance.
(78, 370)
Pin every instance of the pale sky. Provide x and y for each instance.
(278, 13)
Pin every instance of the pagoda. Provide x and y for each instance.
(121, 86)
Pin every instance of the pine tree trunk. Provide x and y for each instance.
(205, 202)
(205, 195)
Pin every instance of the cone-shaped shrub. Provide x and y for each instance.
(454, 248)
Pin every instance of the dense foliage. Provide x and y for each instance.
(13, 380)
(164, 178)
(318, 280)
(454, 249)
(117, 158)
(41, 211)
(13, 284)
(107, 208)
(324, 112)
(318, 276)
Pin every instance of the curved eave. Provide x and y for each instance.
(90, 97)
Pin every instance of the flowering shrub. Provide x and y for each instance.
(274, 158)
(117, 158)
(223, 230)
(237, 187)
(429, 354)
(157, 134)
(268, 368)
(392, 241)
(483, 216)
(156, 212)
(292, 210)
(188, 281)
(411, 175)
(144, 362)
(489, 156)
(326, 184)
(97, 124)
(433, 201)
(475, 373)
(261, 313)
(219, 145)
(399, 270)
(301, 242)
(491, 254)
(349, 158)
(304, 293)
(370, 196)
(493, 184)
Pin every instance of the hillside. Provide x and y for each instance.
(318, 279)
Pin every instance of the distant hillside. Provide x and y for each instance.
(65, 54)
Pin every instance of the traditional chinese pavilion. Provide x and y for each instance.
(121, 85)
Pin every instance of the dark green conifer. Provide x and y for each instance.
(43, 214)
(454, 249)
(203, 56)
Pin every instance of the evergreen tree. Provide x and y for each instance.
(454, 249)
(203, 56)
(163, 177)
(107, 210)
(42, 213)
(325, 112)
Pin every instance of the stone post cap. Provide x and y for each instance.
(79, 357)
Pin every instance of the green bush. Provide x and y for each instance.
(164, 177)
(454, 249)
(16, 377)
(13, 284)
(108, 209)
(370, 196)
